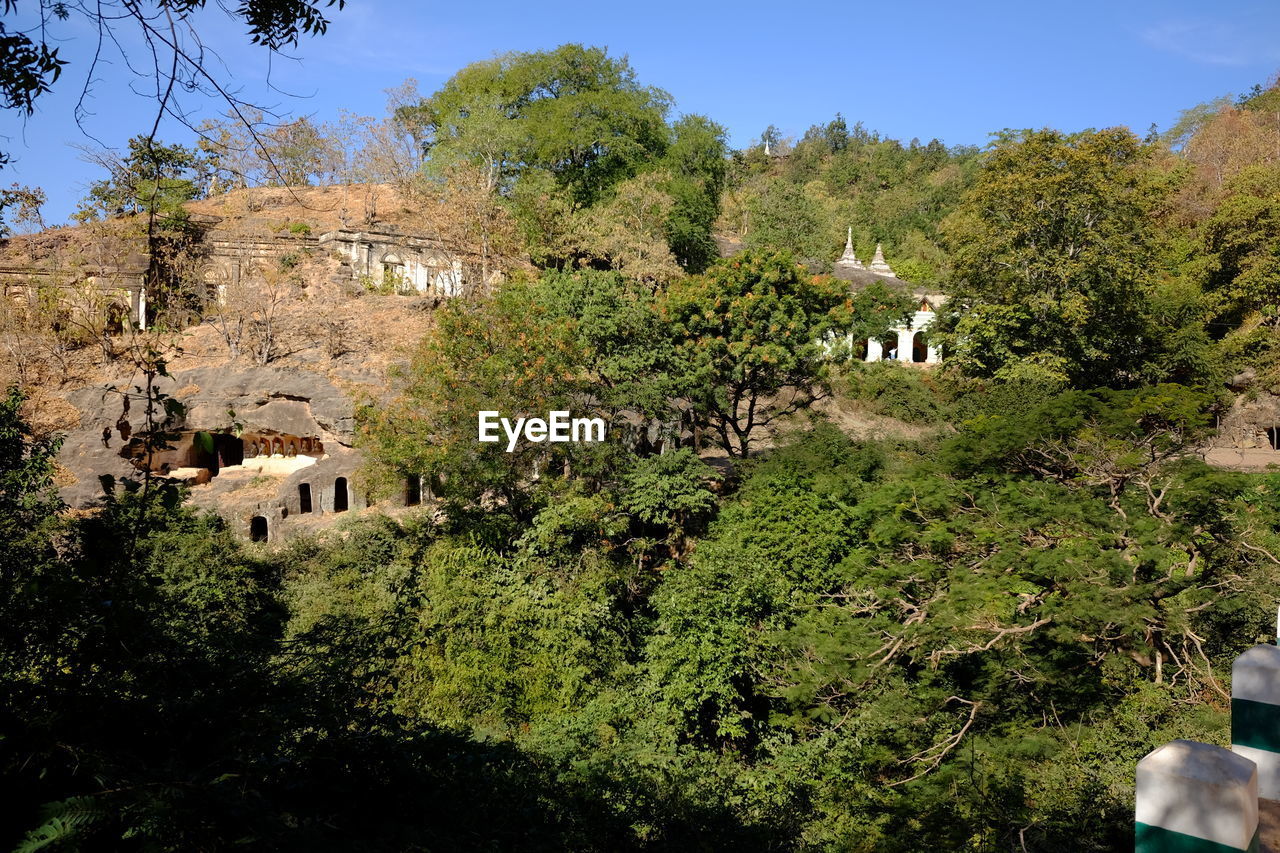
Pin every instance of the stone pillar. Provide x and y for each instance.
(875, 352)
(1255, 714)
(905, 338)
(934, 356)
(1196, 797)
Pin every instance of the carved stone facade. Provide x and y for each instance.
(1248, 435)
(375, 257)
(113, 293)
(396, 260)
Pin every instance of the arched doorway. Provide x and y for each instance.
(304, 497)
(258, 529)
(392, 272)
(340, 498)
(116, 314)
(919, 347)
(202, 453)
(230, 450)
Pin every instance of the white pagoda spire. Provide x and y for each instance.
(850, 258)
(879, 265)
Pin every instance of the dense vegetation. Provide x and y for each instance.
(729, 626)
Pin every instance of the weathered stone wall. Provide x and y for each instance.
(392, 258)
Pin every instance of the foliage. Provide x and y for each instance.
(898, 391)
(962, 642)
(25, 202)
(29, 66)
(571, 133)
(1053, 249)
(572, 112)
(752, 333)
(152, 178)
(838, 177)
(1241, 239)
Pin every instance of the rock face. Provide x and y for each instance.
(270, 450)
(294, 401)
(1248, 437)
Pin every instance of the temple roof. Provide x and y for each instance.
(861, 277)
(849, 268)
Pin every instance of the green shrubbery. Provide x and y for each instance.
(859, 646)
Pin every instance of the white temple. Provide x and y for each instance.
(907, 343)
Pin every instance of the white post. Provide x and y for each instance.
(905, 337)
(1196, 797)
(1255, 714)
(874, 351)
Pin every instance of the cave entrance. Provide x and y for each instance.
(413, 490)
(1273, 437)
(340, 499)
(258, 529)
(200, 453)
(229, 449)
(304, 497)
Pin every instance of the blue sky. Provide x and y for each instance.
(909, 69)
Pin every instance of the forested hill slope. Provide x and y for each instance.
(802, 196)
(960, 637)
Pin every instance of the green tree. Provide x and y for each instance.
(783, 218)
(573, 111)
(754, 334)
(697, 165)
(668, 492)
(1053, 248)
(1241, 240)
(25, 203)
(152, 178)
(497, 353)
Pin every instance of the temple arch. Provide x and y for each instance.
(920, 347)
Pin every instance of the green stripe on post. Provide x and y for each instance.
(1156, 839)
(1255, 724)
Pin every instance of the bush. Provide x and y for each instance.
(905, 393)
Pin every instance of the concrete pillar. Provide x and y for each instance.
(1197, 798)
(905, 337)
(1255, 714)
(875, 352)
(934, 356)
